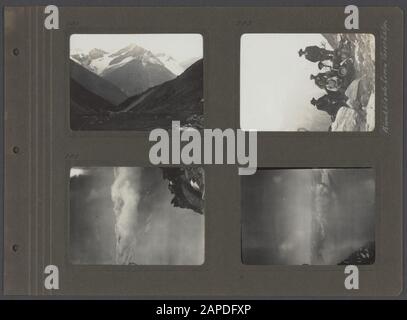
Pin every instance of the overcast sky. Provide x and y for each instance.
(179, 46)
(275, 83)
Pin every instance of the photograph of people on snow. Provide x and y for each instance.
(337, 72)
(307, 82)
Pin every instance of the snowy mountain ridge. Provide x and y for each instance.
(102, 62)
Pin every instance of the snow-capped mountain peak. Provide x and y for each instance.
(130, 53)
(132, 50)
(170, 63)
(95, 60)
(133, 68)
(96, 53)
(102, 62)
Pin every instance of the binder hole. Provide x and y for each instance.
(16, 150)
(16, 52)
(15, 247)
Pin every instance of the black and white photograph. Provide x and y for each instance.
(308, 217)
(135, 81)
(136, 215)
(307, 82)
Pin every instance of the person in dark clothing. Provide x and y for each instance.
(316, 54)
(319, 79)
(330, 103)
(343, 75)
(322, 65)
(327, 81)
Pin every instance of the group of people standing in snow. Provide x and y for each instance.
(337, 72)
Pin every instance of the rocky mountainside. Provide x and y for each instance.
(178, 99)
(95, 84)
(183, 93)
(86, 107)
(362, 256)
(137, 76)
(188, 187)
(360, 116)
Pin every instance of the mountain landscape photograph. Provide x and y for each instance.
(135, 81)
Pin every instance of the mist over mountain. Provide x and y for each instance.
(308, 216)
(128, 216)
